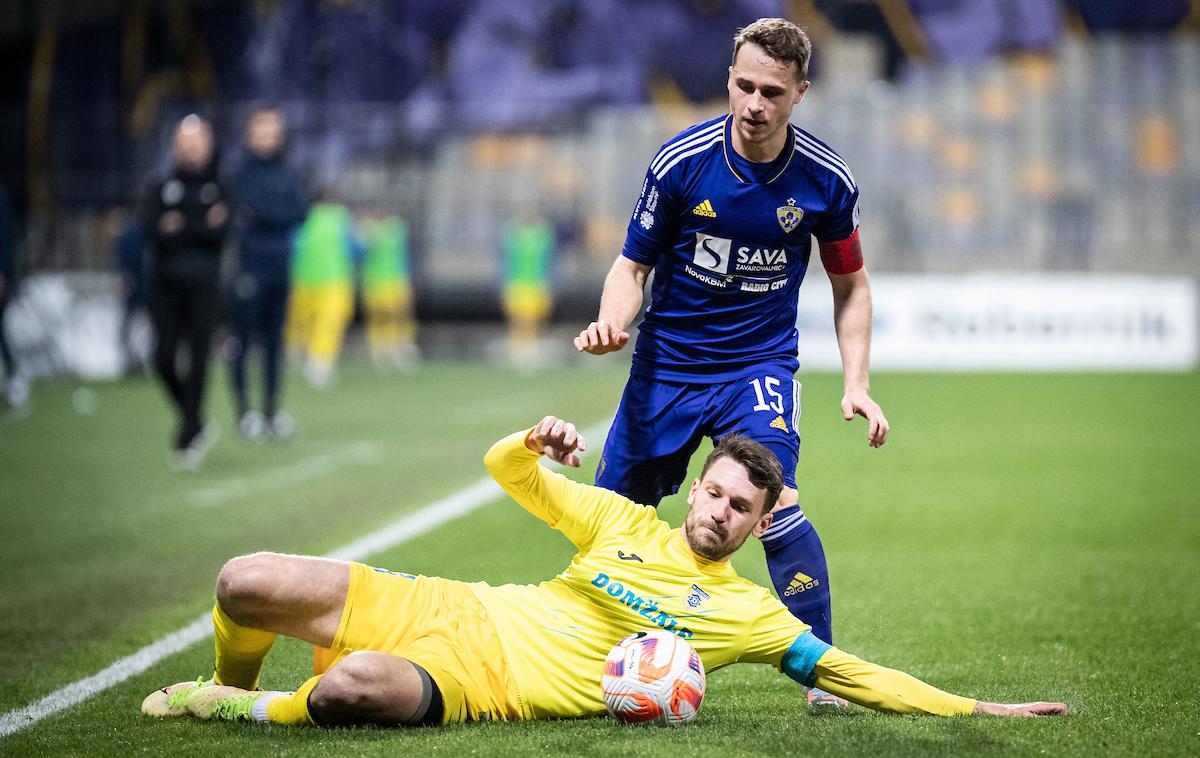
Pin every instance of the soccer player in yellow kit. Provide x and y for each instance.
(397, 649)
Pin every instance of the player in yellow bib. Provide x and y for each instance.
(528, 297)
(397, 649)
(387, 292)
(322, 301)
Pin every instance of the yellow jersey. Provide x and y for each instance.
(633, 571)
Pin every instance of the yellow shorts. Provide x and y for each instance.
(387, 296)
(438, 624)
(527, 301)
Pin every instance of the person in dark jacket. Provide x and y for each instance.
(270, 206)
(16, 385)
(184, 219)
(129, 254)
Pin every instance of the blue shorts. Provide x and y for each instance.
(659, 426)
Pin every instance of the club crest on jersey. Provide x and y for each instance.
(697, 596)
(789, 215)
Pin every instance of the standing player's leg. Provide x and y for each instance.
(405, 324)
(165, 312)
(765, 406)
(7, 360)
(274, 314)
(796, 561)
(381, 337)
(245, 303)
(200, 305)
(334, 306)
(654, 434)
(296, 323)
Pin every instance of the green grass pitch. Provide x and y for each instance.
(1020, 537)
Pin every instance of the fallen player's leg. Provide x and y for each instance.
(368, 687)
(365, 687)
(172, 700)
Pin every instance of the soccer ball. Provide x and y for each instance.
(653, 676)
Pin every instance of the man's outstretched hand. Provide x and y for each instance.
(557, 439)
(857, 401)
(601, 337)
(1020, 710)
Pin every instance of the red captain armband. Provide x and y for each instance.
(842, 256)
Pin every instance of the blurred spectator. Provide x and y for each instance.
(528, 245)
(685, 43)
(16, 386)
(185, 218)
(1131, 15)
(970, 31)
(387, 292)
(270, 205)
(537, 64)
(349, 51)
(129, 245)
(890, 22)
(329, 57)
(952, 31)
(322, 289)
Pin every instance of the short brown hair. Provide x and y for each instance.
(761, 464)
(779, 38)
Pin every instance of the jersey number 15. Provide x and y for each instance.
(771, 383)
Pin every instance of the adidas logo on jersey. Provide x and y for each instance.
(705, 209)
(800, 583)
(779, 423)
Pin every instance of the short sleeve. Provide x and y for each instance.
(653, 220)
(840, 221)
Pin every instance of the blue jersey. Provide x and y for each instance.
(729, 241)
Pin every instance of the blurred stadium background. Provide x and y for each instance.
(1030, 172)
(1021, 136)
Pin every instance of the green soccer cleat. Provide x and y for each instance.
(819, 699)
(224, 703)
(172, 700)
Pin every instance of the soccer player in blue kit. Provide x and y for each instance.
(725, 219)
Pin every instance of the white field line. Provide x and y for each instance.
(403, 529)
(303, 470)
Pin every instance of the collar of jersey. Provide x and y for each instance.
(728, 141)
(679, 546)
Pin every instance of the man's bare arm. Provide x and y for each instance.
(1020, 710)
(619, 305)
(852, 319)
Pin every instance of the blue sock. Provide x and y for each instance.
(796, 561)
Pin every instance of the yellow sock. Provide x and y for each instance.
(292, 709)
(240, 651)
